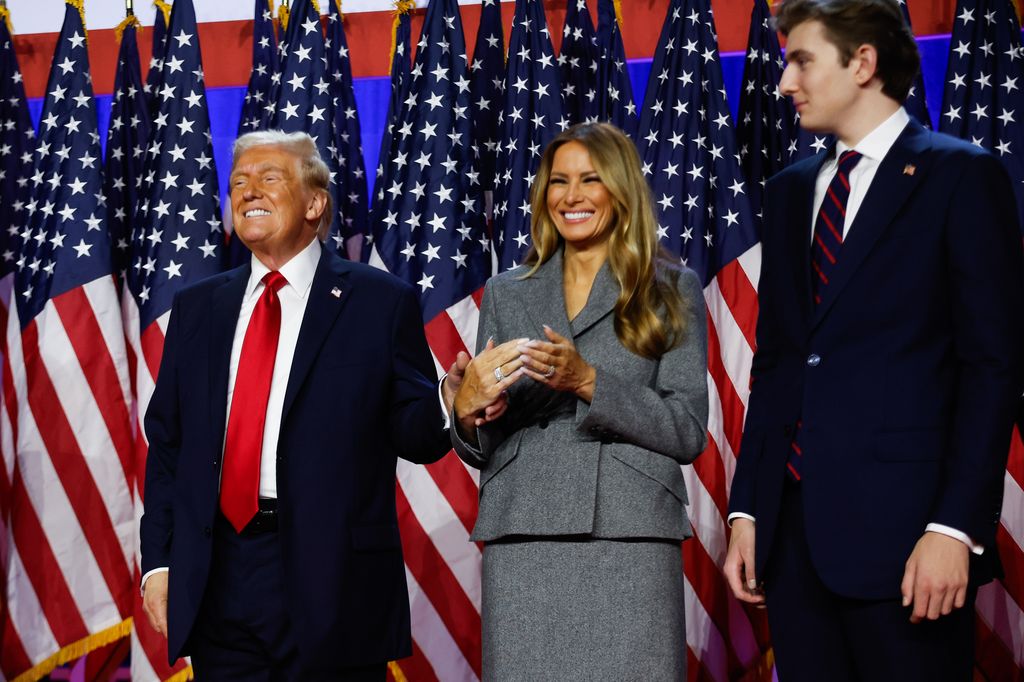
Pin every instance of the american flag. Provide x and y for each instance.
(984, 96)
(156, 60)
(615, 95)
(69, 579)
(258, 107)
(16, 144)
(401, 50)
(17, 140)
(768, 130)
(580, 61)
(127, 136)
(689, 155)
(431, 234)
(260, 103)
(983, 103)
(176, 240)
(347, 143)
(530, 118)
(303, 97)
(916, 104)
(486, 86)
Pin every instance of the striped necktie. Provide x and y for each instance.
(828, 242)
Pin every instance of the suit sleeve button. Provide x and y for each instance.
(813, 360)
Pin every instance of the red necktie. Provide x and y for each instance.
(243, 447)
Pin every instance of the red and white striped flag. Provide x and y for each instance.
(68, 575)
(177, 239)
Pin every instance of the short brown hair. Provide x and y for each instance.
(849, 24)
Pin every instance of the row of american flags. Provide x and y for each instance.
(96, 239)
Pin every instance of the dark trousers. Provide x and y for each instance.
(243, 632)
(819, 635)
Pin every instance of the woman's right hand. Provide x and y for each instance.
(481, 398)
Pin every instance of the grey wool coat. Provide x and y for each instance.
(554, 464)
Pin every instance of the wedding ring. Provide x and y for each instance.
(499, 375)
(550, 372)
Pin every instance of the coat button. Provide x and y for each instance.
(787, 430)
(207, 532)
(543, 423)
(813, 360)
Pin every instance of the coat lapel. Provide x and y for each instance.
(890, 189)
(327, 295)
(544, 297)
(226, 302)
(604, 292)
(798, 237)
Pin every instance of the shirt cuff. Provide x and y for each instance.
(440, 399)
(142, 585)
(954, 533)
(740, 515)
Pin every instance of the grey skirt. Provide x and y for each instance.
(583, 610)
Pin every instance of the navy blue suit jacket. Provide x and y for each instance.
(907, 416)
(361, 392)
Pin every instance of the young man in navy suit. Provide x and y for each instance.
(868, 488)
(287, 389)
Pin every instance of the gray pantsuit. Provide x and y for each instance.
(582, 505)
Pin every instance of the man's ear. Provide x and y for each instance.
(866, 58)
(316, 207)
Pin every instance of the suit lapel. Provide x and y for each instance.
(604, 292)
(798, 237)
(226, 302)
(890, 189)
(544, 297)
(327, 295)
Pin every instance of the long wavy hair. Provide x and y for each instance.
(650, 315)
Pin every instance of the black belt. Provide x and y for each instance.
(265, 520)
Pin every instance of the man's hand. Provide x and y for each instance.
(935, 579)
(739, 563)
(454, 379)
(154, 601)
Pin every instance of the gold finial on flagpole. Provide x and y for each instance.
(5, 16)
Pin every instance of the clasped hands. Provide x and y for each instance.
(480, 389)
(934, 578)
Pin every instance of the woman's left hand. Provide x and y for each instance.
(558, 365)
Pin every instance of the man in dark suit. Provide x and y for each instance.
(287, 389)
(887, 371)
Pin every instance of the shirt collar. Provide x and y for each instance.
(298, 271)
(879, 141)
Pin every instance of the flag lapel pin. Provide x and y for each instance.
(909, 169)
(336, 292)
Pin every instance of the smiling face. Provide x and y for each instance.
(274, 212)
(823, 90)
(577, 200)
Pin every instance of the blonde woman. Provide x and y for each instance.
(586, 396)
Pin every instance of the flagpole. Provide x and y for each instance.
(128, 9)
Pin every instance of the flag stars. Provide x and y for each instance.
(82, 249)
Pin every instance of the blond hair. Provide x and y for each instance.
(633, 248)
(312, 169)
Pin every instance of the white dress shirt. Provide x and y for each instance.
(873, 149)
(299, 273)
